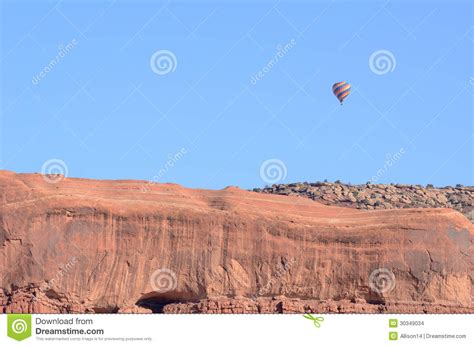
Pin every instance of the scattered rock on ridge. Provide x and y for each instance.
(378, 196)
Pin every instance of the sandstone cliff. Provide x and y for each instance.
(112, 246)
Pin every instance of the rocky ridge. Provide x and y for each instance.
(379, 196)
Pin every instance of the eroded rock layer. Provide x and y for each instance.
(82, 245)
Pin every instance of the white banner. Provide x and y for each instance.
(238, 330)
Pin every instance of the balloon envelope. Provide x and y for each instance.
(341, 90)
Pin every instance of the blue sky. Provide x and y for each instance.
(102, 109)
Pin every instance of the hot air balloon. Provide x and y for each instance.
(341, 90)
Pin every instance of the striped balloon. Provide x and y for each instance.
(341, 90)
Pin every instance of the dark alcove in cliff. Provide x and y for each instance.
(155, 304)
(157, 301)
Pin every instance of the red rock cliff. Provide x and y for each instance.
(105, 246)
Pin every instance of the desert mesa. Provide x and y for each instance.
(105, 246)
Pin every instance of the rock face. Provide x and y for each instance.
(377, 196)
(80, 245)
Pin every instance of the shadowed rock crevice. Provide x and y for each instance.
(156, 302)
(106, 310)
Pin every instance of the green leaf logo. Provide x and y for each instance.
(19, 326)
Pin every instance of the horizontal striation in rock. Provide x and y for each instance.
(84, 245)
